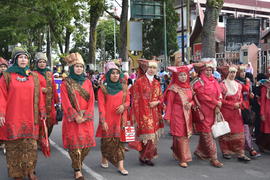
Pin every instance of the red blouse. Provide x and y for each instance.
(17, 106)
(74, 135)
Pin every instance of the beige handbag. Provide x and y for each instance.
(220, 127)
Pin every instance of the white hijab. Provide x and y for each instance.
(232, 87)
(149, 77)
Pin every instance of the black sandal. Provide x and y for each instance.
(244, 158)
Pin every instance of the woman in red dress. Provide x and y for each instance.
(21, 111)
(234, 142)
(113, 102)
(147, 108)
(3, 67)
(178, 99)
(48, 88)
(263, 140)
(208, 93)
(78, 106)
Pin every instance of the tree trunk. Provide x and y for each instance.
(123, 31)
(67, 40)
(48, 47)
(96, 10)
(209, 25)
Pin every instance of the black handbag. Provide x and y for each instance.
(246, 115)
(59, 113)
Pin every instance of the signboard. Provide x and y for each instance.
(135, 36)
(197, 51)
(241, 32)
(58, 82)
(145, 9)
(179, 41)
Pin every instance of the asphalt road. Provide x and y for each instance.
(58, 166)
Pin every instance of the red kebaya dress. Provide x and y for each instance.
(78, 136)
(149, 120)
(234, 142)
(180, 120)
(208, 92)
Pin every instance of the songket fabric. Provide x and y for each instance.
(113, 150)
(234, 142)
(206, 148)
(149, 120)
(51, 98)
(181, 148)
(74, 135)
(77, 157)
(180, 120)
(21, 156)
(208, 93)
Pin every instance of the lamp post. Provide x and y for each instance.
(165, 35)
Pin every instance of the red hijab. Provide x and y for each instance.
(210, 83)
(176, 70)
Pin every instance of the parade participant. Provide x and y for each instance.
(263, 139)
(208, 93)
(246, 110)
(234, 142)
(178, 99)
(21, 111)
(113, 102)
(147, 108)
(78, 106)
(48, 88)
(3, 66)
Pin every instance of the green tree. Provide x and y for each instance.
(105, 38)
(153, 33)
(211, 14)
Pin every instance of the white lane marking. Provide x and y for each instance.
(85, 168)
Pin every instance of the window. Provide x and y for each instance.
(245, 53)
(220, 19)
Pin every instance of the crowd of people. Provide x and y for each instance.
(189, 99)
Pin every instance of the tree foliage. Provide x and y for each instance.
(153, 33)
(105, 38)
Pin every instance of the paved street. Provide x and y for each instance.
(58, 166)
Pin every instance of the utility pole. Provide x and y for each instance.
(183, 31)
(188, 31)
(165, 35)
(114, 33)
